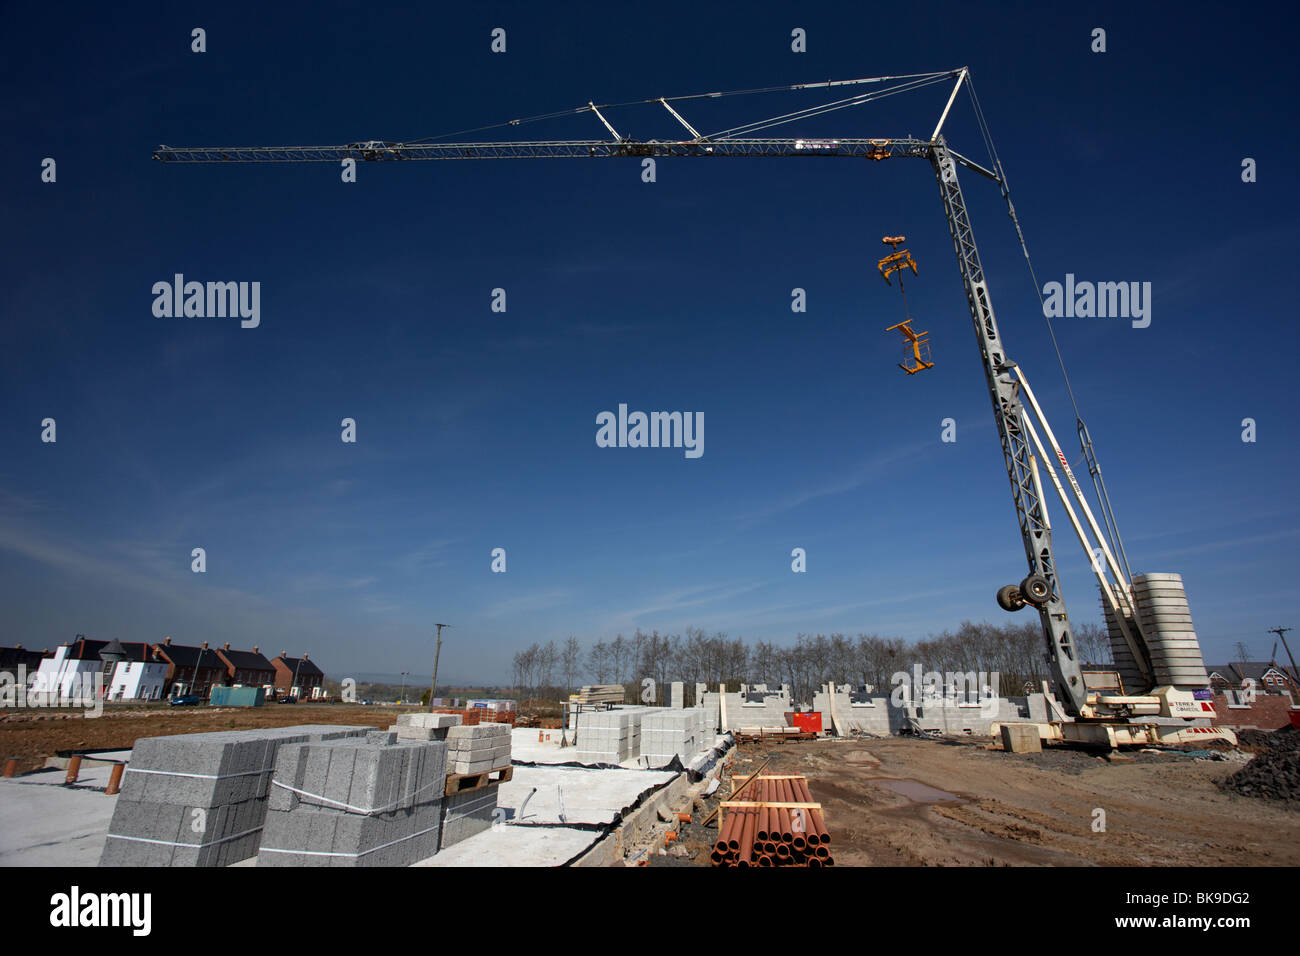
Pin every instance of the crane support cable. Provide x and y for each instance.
(1024, 247)
(831, 106)
(1085, 440)
(577, 110)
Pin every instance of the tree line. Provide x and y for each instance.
(1014, 651)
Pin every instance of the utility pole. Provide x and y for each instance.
(433, 689)
(1281, 632)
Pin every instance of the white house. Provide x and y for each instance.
(138, 680)
(131, 672)
(64, 675)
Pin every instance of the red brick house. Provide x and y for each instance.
(199, 669)
(246, 667)
(299, 672)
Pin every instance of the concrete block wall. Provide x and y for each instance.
(355, 803)
(468, 813)
(201, 799)
(870, 715)
(742, 712)
(610, 736)
(878, 715)
(947, 719)
(479, 748)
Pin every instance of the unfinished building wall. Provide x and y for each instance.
(855, 710)
(753, 706)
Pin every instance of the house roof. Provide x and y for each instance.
(246, 660)
(1240, 670)
(183, 655)
(301, 666)
(87, 649)
(11, 657)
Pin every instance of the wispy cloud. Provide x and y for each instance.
(1227, 543)
(866, 471)
(529, 602)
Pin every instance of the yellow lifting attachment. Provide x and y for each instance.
(916, 348)
(895, 261)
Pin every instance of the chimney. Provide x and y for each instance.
(256, 649)
(227, 646)
(205, 645)
(284, 653)
(304, 656)
(167, 641)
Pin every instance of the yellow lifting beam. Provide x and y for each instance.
(916, 347)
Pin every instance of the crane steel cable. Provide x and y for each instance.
(1011, 210)
(1085, 439)
(858, 100)
(686, 96)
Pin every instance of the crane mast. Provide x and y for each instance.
(1042, 584)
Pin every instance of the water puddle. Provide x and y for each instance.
(916, 791)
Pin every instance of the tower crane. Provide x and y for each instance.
(1143, 651)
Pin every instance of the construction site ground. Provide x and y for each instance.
(906, 801)
(35, 734)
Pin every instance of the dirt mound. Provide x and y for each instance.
(1266, 741)
(1274, 773)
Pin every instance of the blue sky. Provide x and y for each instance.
(476, 430)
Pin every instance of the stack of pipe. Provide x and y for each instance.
(773, 836)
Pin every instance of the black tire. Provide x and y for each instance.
(1035, 590)
(1009, 598)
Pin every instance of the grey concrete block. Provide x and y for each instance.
(1021, 738)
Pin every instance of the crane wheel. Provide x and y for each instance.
(1009, 598)
(1035, 590)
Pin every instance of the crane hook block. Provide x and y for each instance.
(916, 348)
(896, 261)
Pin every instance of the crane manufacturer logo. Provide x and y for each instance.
(1102, 300)
(656, 430)
(210, 300)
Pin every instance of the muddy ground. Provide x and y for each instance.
(998, 809)
(35, 734)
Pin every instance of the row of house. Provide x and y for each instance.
(135, 670)
(1265, 677)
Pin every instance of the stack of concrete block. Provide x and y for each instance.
(355, 803)
(425, 726)
(200, 799)
(478, 749)
(465, 814)
(668, 733)
(704, 733)
(610, 736)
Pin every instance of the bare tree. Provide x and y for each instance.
(572, 657)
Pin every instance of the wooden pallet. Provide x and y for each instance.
(466, 782)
